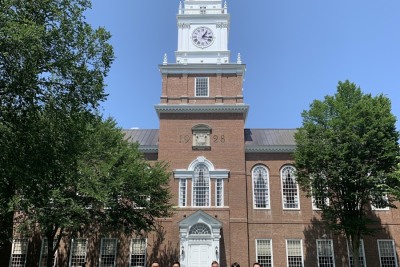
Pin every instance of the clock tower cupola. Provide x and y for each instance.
(203, 28)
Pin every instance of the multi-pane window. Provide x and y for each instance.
(325, 253)
(219, 193)
(108, 252)
(360, 252)
(318, 201)
(201, 86)
(294, 253)
(264, 252)
(78, 252)
(201, 186)
(290, 190)
(138, 253)
(182, 192)
(387, 253)
(260, 188)
(44, 253)
(200, 229)
(18, 252)
(380, 203)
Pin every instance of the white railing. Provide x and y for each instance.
(204, 11)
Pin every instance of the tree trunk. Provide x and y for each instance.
(355, 247)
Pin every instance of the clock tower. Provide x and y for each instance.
(203, 28)
(201, 135)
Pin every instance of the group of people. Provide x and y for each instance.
(213, 264)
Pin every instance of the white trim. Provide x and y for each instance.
(222, 193)
(203, 160)
(331, 250)
(361, 252)
(43, 252)
(209, 190)
(380, 209)
(183, 203)
(297, 188)
(72, 250)
(301, 251)
(114, 246)
(268, 205)
(131, 253)
(201, 108)
(202, 68)
(270, 149)
(393, 250)
(207, 87)
(271, 251)
(19, 247)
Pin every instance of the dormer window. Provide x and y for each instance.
(201, 86)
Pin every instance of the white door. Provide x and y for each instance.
(199, 255)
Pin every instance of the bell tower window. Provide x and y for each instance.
(201, 86)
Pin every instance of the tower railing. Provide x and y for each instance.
(204, 11)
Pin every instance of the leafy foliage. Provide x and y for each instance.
(348, 153)
(60, 164)
(123, 190)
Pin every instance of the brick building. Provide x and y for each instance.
(234, 188)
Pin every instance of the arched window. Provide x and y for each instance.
(260, 187)
(201, 186)
(200, 229)
(290, 190)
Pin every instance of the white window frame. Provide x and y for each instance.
(198, 92)
(208, 200)
(267, 187)
(314, 207)
(361, 252)
(74, 253)
(300, 248)
(43, 253)
(297, 196)
(182, 198)
(330, 243)
(380, 209)
(393, 251)
(108, 249)
(259, 260)
(19, 252)
(219, 195)
(132, 252)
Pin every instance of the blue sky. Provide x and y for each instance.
(295, 51)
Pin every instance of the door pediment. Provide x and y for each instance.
(200, 217)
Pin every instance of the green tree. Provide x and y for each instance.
(346, 158)
(109, 186)
(52, 69)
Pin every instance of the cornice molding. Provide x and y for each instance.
(148, 149)
(202, 68)
(270, 149)
(215, 108)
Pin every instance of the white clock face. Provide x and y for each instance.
(202, 37)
